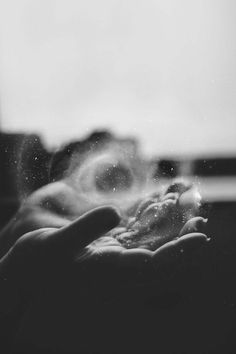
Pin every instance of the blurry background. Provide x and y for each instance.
(162, 70)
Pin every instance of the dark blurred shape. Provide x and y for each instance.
(24, 168)
(61, 159)
(205, 167)
(221, 225)
(34, 165)
(26, 165)
(215, 167)
(166, 169)
(113, 178)
(9, 201)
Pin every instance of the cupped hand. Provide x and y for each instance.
(106, 279)
(41, 255)
(50, 245)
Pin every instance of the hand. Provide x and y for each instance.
(37, 253)
(100, 272)
(44, 250)
(77, 255)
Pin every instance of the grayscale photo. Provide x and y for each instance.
(118, 177)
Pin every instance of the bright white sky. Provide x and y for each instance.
(164, 70)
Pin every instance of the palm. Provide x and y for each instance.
(83, 263)
(96, 238)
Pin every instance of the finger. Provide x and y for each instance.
(46, 245)
(172, 251)
(196, 224)
(86, 228)
(136, 258)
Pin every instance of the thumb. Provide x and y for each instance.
(43, 245)
(87, 228)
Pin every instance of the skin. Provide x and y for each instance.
(79, 281)
(58, 235)
(55, 219)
